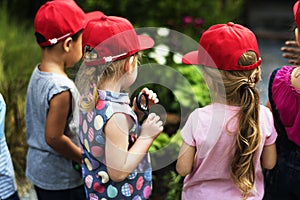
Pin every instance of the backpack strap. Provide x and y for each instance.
(278, 124)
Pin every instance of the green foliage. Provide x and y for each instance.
(174, 183)
(165, 148)
(179, 87)
(198, 86)
(21, 10)
(18, 56)
(164, 140)
(168, 147)
(185, 16)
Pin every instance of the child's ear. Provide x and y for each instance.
(67, 44)
(129, 64)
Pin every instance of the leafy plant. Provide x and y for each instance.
(188, 17)
(175, 184)
(168, 147)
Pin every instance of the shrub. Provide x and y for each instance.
(188, 17)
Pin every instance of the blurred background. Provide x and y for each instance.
(271, 21)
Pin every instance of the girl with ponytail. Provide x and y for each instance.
(227, 143)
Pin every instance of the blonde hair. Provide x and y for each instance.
(239, 90)
(95, 77)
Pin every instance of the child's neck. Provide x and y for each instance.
(112, 86)
(53, 61)
(52, 67)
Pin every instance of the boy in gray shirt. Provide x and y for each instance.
(51, 104)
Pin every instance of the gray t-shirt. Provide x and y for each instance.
(46, 168)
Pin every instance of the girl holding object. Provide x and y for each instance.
(116, 163)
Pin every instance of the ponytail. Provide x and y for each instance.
(248, 137)
(238, 88)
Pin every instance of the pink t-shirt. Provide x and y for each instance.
(287, 100)
(208, 130)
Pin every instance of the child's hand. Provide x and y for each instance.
(152, 96)
(152, 99)
(151, 127)
(291, 51)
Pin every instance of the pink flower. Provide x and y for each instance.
(187, 20)
(198, 21)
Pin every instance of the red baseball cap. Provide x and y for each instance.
(56, 20)
(113, 38)
(222, 45)
(296, 10)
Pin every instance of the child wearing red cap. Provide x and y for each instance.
(283, 181)
(52, 103)
(226, 144)
(116, 163)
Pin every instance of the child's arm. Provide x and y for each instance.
(119, 160)
(59, 109)
(185, 159)
(269, 156)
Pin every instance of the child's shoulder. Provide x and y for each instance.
(55, 79)
(283, 74)
(264, 109)
(51, 83)
(61, 80)
(265, 113)
(201, 111)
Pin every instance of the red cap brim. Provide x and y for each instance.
(145, 41)
(191, 58)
